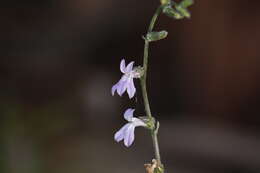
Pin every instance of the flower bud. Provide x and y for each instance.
(183, 11)
(186, 3)
(178, 10)
(163, 2)
(155, 36)
(169, 11)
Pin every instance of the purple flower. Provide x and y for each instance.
(127, 131)
(126, 83)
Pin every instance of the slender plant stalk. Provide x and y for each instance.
(154, 132)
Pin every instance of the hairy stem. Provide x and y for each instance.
(144, 88)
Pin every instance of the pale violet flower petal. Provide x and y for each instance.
(128, 115)
(126, 133)
(119, 136)
(126, 82)
(131, 89)
(129, 135)
(137, 122)
(122, 86)
(122, 66)
(113, 89)
(124, 78)
(129, 67)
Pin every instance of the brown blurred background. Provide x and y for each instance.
(60, 58)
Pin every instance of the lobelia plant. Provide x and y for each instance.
(126, 84)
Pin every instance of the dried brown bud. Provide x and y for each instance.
(149, 168)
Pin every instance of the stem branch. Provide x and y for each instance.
(144, 88)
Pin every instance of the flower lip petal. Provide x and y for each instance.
(122, 66)
(121, 87)
(128, 115)
(113, 89)
(131, 89)
(129, 67)
(129, 135)
(119, 136)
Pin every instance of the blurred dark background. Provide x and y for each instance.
(60, 58)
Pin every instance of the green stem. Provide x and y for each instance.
(144, 88)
